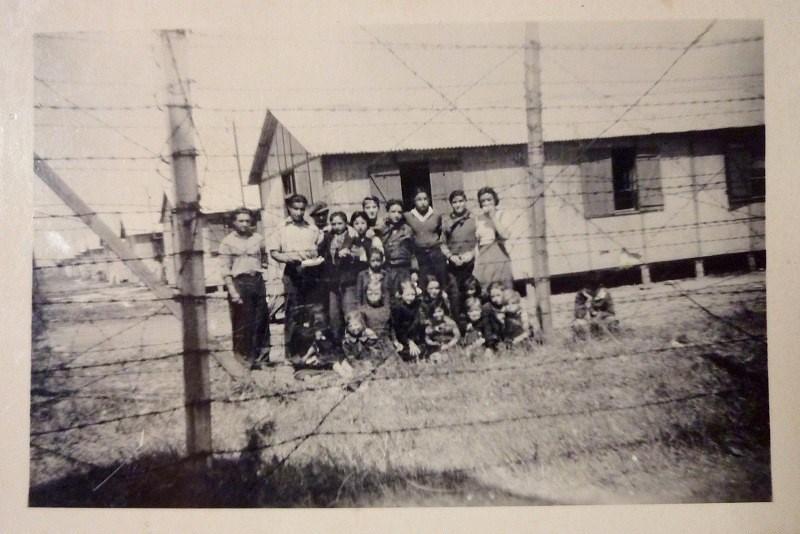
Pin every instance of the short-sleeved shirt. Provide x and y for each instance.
(296, 237)
(241, 255)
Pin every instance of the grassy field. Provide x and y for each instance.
(674, 410)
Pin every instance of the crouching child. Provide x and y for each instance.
(441, 333)
(359, 342)
(517, 322)
(494, 318)
(472, 341)
(313, 342)
(594, 312)
(408, 323)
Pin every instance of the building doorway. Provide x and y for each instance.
(414, 176)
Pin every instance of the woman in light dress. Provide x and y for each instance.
(492, 261)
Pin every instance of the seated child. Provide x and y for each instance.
(518, 325)
(408, 323)
(359, 342)
(473, 328)
(432, 295)
(374, 274)
(312, 341)
(441, 333)
(376, 311)
(470, 290)
(494, 317)
(594, 310)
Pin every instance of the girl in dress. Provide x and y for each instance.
(492, 263)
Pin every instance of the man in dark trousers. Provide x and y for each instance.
(295, 247)
(242, 260)
(458, 246)
(427, 227)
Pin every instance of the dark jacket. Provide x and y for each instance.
(337, 271)
(493, 328)
(408, 323)
(398, 244)
(590, 304)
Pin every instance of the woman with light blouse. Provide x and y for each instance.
(492, 263)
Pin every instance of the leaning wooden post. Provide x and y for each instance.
(191, 275)
(533, 108)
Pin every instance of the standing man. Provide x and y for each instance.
(242, 261)
(296, 249)
(427, 227)
(458, 246)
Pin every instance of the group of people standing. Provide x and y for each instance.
(339, 270)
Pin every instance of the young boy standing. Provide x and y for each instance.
(427, 227)
(458, 246)
(242, 260)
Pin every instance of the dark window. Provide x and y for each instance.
(620, 180)
(623, 167)
(745, 171)
(289, 187)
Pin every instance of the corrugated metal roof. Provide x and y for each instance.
(424, 87)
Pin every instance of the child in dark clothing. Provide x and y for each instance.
(376, 312)
(398, 244)
(441, 333)
(313, 341)
(432, 295)
(472, 340)
(594, 310)
(375, 274)
(518, 325)
(471, 290)
(494, 317)
(408, 323)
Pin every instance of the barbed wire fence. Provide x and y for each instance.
(60, 377)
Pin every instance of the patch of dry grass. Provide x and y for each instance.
(641, 417)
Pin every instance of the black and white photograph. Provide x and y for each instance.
(400, 265)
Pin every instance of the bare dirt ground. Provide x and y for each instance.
(645, 417)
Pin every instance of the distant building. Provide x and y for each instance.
(678, 176)
(214, 226)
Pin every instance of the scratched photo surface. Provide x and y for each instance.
(400, 265)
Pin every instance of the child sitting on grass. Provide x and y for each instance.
(441, 333)
(313, 341)
(594, 310)
(359, 343)
(374, 274)
(432, 296)
(472, 340)
(408, 323)
(470, 290)
(377, 317)
(518, 325)
(494, 317)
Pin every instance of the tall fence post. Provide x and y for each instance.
(533, 108)
(191, 275)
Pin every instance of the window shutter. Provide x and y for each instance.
(597, 178)
(738, 161)
(385, 184)
(648, 178)
(446, 177)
